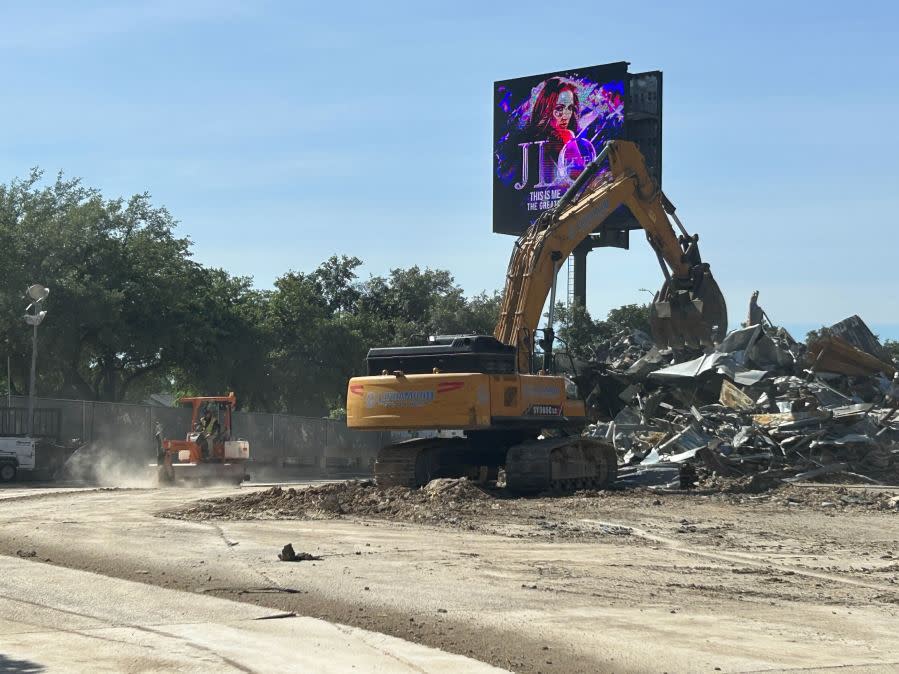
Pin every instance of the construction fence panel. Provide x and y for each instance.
(14, 422)
(259, 429)
(59, 419)
(353, 449)
(71, 420)
(123, 430)
(173, 421)
(301, 440)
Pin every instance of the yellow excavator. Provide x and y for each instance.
(513, 412)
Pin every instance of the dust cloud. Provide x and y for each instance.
(111, 465)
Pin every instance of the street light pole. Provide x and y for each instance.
(38, 294)
(32, 384)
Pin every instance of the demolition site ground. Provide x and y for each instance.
(735, 576)
(753, 526)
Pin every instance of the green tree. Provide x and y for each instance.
(630, 317)
(317, 343)
(582, 334)
(814, 335)
(322, 324)
(129, 312)
(892, 346)
(226, 340)
(118, 277)
(454, 314)
(577, 330)
(410, 304)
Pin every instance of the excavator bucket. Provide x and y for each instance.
(693, 317)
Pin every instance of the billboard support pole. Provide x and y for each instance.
(579, 261)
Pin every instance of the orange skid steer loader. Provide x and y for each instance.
(208, 453)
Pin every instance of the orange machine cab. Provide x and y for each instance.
(464, 401)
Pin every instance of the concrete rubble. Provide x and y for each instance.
(288, 554)
(758, 408)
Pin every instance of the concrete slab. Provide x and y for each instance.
(63, 620)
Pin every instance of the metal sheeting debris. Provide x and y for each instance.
(756, 402)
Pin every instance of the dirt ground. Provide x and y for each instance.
(798, 578)
(460, 504)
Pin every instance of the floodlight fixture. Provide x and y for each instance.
(38, 293)
(35, 319)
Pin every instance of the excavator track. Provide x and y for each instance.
(560, 464)
(555, 464)
(416, 462)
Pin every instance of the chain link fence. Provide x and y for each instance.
(277, 441)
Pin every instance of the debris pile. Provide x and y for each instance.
(758, 408)
(438, 500)
(624, 349)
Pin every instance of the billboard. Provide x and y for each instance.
(547, 128)
(643, 121)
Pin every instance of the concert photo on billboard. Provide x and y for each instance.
(547, 128)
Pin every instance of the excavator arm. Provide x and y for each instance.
(689, 310)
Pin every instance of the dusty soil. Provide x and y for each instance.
(460, 504)
(791, 578)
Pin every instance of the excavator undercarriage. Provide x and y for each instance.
(560, 464)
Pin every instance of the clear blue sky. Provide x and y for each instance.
(279, 133)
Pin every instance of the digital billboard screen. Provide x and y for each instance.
(547, 128)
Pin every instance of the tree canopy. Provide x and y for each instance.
(581, 334)
(131, 313)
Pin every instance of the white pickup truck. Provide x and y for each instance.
(16, 454)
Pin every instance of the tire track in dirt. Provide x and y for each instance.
(744, 558)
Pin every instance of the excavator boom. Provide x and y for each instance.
(689, 310)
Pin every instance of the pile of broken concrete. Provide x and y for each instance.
(758, 407)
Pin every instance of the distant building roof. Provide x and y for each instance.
(160, 400)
